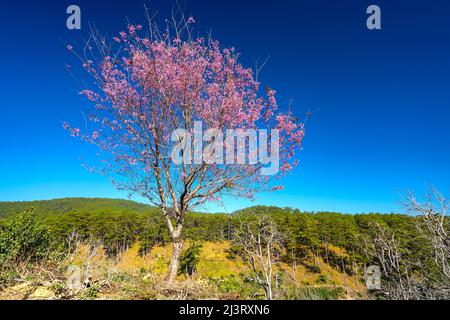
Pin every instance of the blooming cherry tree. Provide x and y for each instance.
(146, 86)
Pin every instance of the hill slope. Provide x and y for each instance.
(318, 249)
(61, 206)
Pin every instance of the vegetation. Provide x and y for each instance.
(120, 223)
(319, 255)
(190, 259)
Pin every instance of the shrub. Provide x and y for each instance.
(90, 293)
(23, 240)
(7, 276)
(229, 284)
(59, 288)
(189, 260)
(323, 278)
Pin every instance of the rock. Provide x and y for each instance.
(27, 291)
(42, 293)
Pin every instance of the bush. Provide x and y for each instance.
(323, 278)
(90, 293)
(22, 240)
(190, 259)
(229, 285)
(6, 277)
(59, 288)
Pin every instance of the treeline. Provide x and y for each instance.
(119, 224)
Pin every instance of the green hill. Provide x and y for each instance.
(325, 247)
(61, 206)
(120, 223)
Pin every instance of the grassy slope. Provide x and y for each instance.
(215, 262)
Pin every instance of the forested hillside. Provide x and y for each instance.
(322, 248)
(61, 206)
(120, 223)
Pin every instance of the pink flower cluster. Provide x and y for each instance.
(153, 86)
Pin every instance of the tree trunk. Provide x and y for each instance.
(269, 294)
(177, 245)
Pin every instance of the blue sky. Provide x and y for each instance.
(381, 98)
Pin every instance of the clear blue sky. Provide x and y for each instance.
(382, 98)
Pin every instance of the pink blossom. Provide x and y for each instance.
(131, 29)
(149, 87)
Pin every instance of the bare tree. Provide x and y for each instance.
(93, 246)
(422, 270)
(261, 244)
(433, 224)
(399, 272)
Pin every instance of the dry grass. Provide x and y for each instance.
(132, 276)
